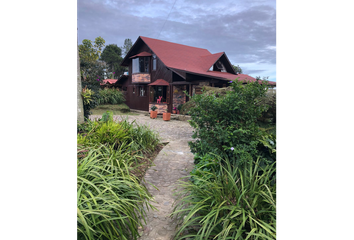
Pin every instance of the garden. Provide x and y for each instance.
(230, 193)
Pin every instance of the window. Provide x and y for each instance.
(142, 91)
(154, 62)
(141, 65)
(220, 67)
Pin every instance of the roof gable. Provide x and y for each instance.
(208, 61)
(176, 55)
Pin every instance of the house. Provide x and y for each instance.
(160, 72)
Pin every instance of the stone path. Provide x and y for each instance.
(173, 162)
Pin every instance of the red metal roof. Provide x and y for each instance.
(142, 54)
(209, 60)
(177, 55)
(110, 81)
(229, 76)
(159, 82)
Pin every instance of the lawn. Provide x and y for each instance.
(117, 109)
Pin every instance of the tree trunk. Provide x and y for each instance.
(80, 105)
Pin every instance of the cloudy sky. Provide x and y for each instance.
(244, 29)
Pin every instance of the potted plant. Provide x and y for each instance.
(179, 108)
(166, 116)
(153, 113)
(174, 111)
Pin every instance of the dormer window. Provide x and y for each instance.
(219, 67)
(141, 65)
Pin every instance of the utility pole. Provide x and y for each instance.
(80, 106)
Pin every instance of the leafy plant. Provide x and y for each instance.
(179, 107)
(227, 125)
(110, 96)
(86, 95)
(269, 116)
(153, 108)
(90, 105)
(238, 203)
(204, 165)
(139, 138)
(109, 199)
(107, 117)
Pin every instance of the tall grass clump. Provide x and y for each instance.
(233, 203)
(110, 96)
(109, 199)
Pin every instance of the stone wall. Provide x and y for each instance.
(141, 78)
(204, 83)
(161, 107)
(178, 96)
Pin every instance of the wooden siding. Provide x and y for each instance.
(133, 100)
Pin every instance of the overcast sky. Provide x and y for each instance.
(244, 29)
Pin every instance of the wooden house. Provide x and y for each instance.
(160, 72)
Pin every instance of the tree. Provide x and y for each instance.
(127, 46)
(112, 55)
(237, 69)
(80, 106)
(262, 79)
(91, 53)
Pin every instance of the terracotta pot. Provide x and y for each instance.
(166, 116)
(174, 111)
(153, 114)
(177, 111)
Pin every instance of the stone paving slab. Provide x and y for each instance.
(172, 163)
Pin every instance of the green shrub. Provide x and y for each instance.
(109, 198)
(235, 203)
(179, 107)
(227, 125)
(187, 107)
(205, 165)
(110, 96)
(107, 117)
(140, 138)
(269, 99)
(90, 98)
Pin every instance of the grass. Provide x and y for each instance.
(117, 109)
